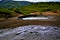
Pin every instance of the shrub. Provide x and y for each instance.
(7, 13)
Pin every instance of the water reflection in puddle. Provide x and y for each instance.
(36, 17)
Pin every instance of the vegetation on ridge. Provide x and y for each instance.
(33, 7)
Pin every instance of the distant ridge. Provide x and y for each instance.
(14, 4)
(10, 4)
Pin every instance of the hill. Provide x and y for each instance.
(12, 8)
(13, 4)
(8, 6)
(41, 7)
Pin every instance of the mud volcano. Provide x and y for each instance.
(31, 32)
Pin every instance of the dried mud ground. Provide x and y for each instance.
(17, 23)
(29, 30)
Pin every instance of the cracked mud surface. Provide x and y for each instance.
(31, 32)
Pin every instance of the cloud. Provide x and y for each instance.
(37, 0)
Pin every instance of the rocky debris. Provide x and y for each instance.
(31, 32)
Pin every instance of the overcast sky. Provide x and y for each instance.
(37, 0)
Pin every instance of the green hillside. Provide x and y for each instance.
(41, 7)
(13, 4)
(33, 7)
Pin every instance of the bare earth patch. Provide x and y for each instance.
(17, 23)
